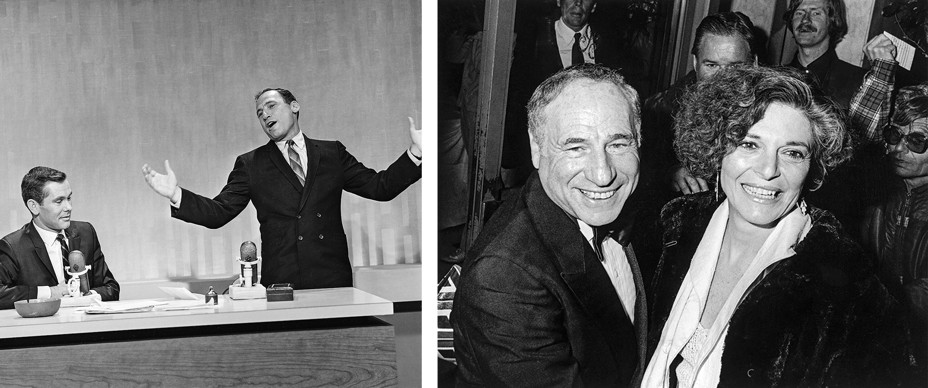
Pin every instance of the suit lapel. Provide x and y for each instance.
(284, 166)
(41, 253)
(312, 159)
(581, 269)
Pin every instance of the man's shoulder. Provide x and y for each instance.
(81, 226)
(14, 237)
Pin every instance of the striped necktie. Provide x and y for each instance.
(295, 162)
(64, 254)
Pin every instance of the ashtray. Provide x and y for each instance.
(34, 308)
(280, 292)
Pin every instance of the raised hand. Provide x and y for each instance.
(416, 136)
(164, 184)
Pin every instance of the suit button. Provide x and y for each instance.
(300, 238)
(299, 216)
(321, 237)
(318, 215)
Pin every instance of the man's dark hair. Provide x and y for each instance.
(911, 104)
(837, 19)
(734, 24)
(288, 97)
(33, 186)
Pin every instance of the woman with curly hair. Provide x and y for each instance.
(754, 287)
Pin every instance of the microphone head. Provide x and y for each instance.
(76, 261)
(248, 251)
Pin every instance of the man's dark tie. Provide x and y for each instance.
(599, 235)
(64, 254)
(295, 162)
(576, 54)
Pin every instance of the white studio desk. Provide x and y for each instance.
(322, 337)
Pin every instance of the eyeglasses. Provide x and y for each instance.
(914, 141)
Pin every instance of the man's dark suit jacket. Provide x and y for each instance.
(832, 77)
(25, 265)
(534, 306)
(302, 238)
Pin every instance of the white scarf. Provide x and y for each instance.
(694, 292)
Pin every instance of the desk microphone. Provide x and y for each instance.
(248, 256)
(248, 251)
(78, 269)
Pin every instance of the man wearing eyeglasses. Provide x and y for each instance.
(896, 231)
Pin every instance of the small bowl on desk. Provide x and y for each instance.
(34, 308)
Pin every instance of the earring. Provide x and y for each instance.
(718, 184)
(803, 207)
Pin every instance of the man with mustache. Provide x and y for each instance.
(551, 293)
(33, 259)
(817, 27)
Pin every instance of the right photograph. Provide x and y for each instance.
(643, 193)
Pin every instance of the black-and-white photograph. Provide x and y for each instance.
(682, 193)
(211, 193)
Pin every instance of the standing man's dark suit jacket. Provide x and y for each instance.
(534, 306)
(24, 263)
(302, 238)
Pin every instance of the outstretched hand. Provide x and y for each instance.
(164, 184)
(416, 136)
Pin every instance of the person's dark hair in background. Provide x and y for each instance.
(33, 185)
(726, 24)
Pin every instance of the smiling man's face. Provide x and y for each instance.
(587, 156)
(278, 119)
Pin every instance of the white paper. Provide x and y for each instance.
(80, 301)
(185, 305)
(182, 293)
(122, 306)
(905, 52)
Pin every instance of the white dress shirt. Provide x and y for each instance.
(616, 264)
(53, 247)
(565, 43)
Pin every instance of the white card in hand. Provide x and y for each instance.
(905, 52)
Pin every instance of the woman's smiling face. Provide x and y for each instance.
(764, 175)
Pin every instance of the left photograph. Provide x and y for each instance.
(211, 193)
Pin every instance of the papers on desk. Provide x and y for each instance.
(81, 301)
(122, 306)
(183, 300)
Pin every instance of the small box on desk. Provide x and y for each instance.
(280, 292)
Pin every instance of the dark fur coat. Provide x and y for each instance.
(819, 318)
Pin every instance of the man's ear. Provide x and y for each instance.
(536, 149)
(294, 106)
(33, 207)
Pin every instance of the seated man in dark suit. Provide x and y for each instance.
(34, 259)
(551, 293)
(296, 185)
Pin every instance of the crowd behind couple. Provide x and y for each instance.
(769, 270)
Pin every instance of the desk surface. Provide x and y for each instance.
(307, 304)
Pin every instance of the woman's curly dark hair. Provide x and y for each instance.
(716, 114)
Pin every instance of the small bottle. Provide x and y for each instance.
(212, 295)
